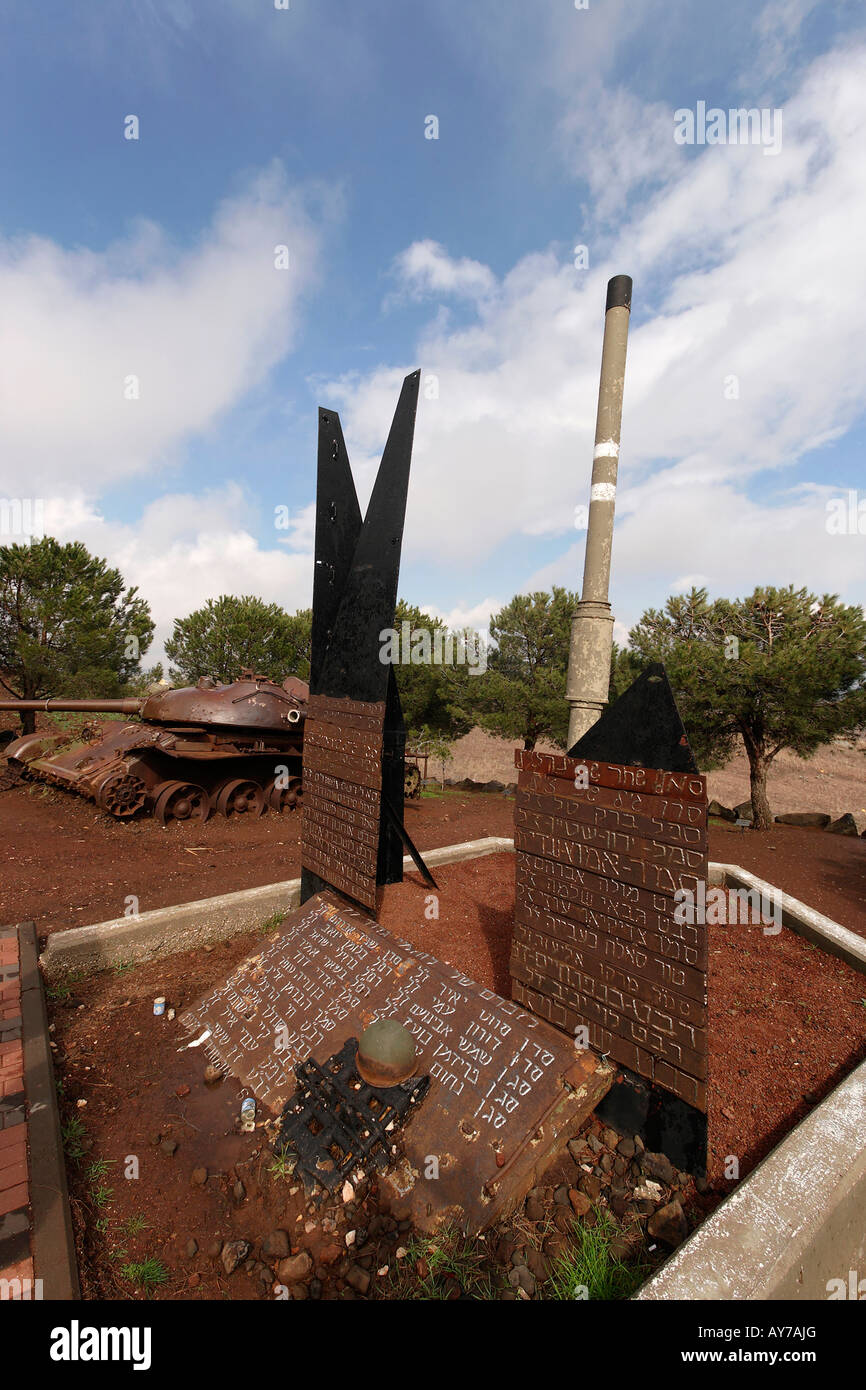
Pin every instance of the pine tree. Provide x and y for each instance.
(229, 634)
(779, 669)
(68, 624)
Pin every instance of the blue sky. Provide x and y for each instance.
(306, 126)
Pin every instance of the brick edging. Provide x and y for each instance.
(51, 1222)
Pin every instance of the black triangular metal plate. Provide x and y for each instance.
(642, 728)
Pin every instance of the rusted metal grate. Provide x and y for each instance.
(336, 1123)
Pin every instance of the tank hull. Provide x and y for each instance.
(226, 749)
(126, 768)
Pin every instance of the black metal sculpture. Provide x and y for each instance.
(355, 738)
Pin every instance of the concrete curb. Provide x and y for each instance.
(51, 1224)
(793, 1224)
(823, 931)
(168, 930)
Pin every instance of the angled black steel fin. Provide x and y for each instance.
(642, 728)
(338, 526)
(352, 668)
(357, 567)
(390, 860)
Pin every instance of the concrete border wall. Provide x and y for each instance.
(167, 930)
(821, 930)
(794, 1224)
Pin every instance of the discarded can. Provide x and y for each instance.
(248, 1115)
(158, 1007)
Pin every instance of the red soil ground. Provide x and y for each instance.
(786, 1023)
(64, 864)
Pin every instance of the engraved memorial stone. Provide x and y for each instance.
(608, 841)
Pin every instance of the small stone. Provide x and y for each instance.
(358, 1279)
(591, 1186)
(239, 1192)
(537, 1264)
(234, 1252)
(534, 1209)
(383, 1271)
(580, 1203)
(610, 1138)
(315, 1288)
(193, 1281)
(351, 1237)
(669, 1224)
(639, 1144)
(577, 1148)
(296, 1267)
(560, 1196)
(276, 1245)
(182, 1091)
(199, 1177)
(168, 1147)
(212, 1074)
(348, 1192)
(606, 1163)
(659, 1167)
(309, 1227)
(214, 1249)
(556, 1247)
(648, 1192)
(299, 1293)
(594, 1143)
(619, 1203)
(626, 1147)
(620, 1165)
(563, 1219)
(522, 1278)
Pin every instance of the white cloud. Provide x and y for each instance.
(185, 549)
(745, 267)
(196, 327)
(425, 269)
(472, 615)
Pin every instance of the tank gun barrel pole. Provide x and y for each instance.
(592, 625)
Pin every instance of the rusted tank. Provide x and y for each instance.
(230, 749)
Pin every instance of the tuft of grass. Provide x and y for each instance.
(134, 1225)
(120, 967)
(147, 1274)
(273, 922)
(284, 1164)
(102, 1195)
(59, 993)
(448, 1257)
(73, 1133)
(98, 1169)
(589, 1270)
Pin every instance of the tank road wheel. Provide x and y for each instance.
(181, 801)
(290, 798)
(121, 795)
(240, 797)
(411, 780)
